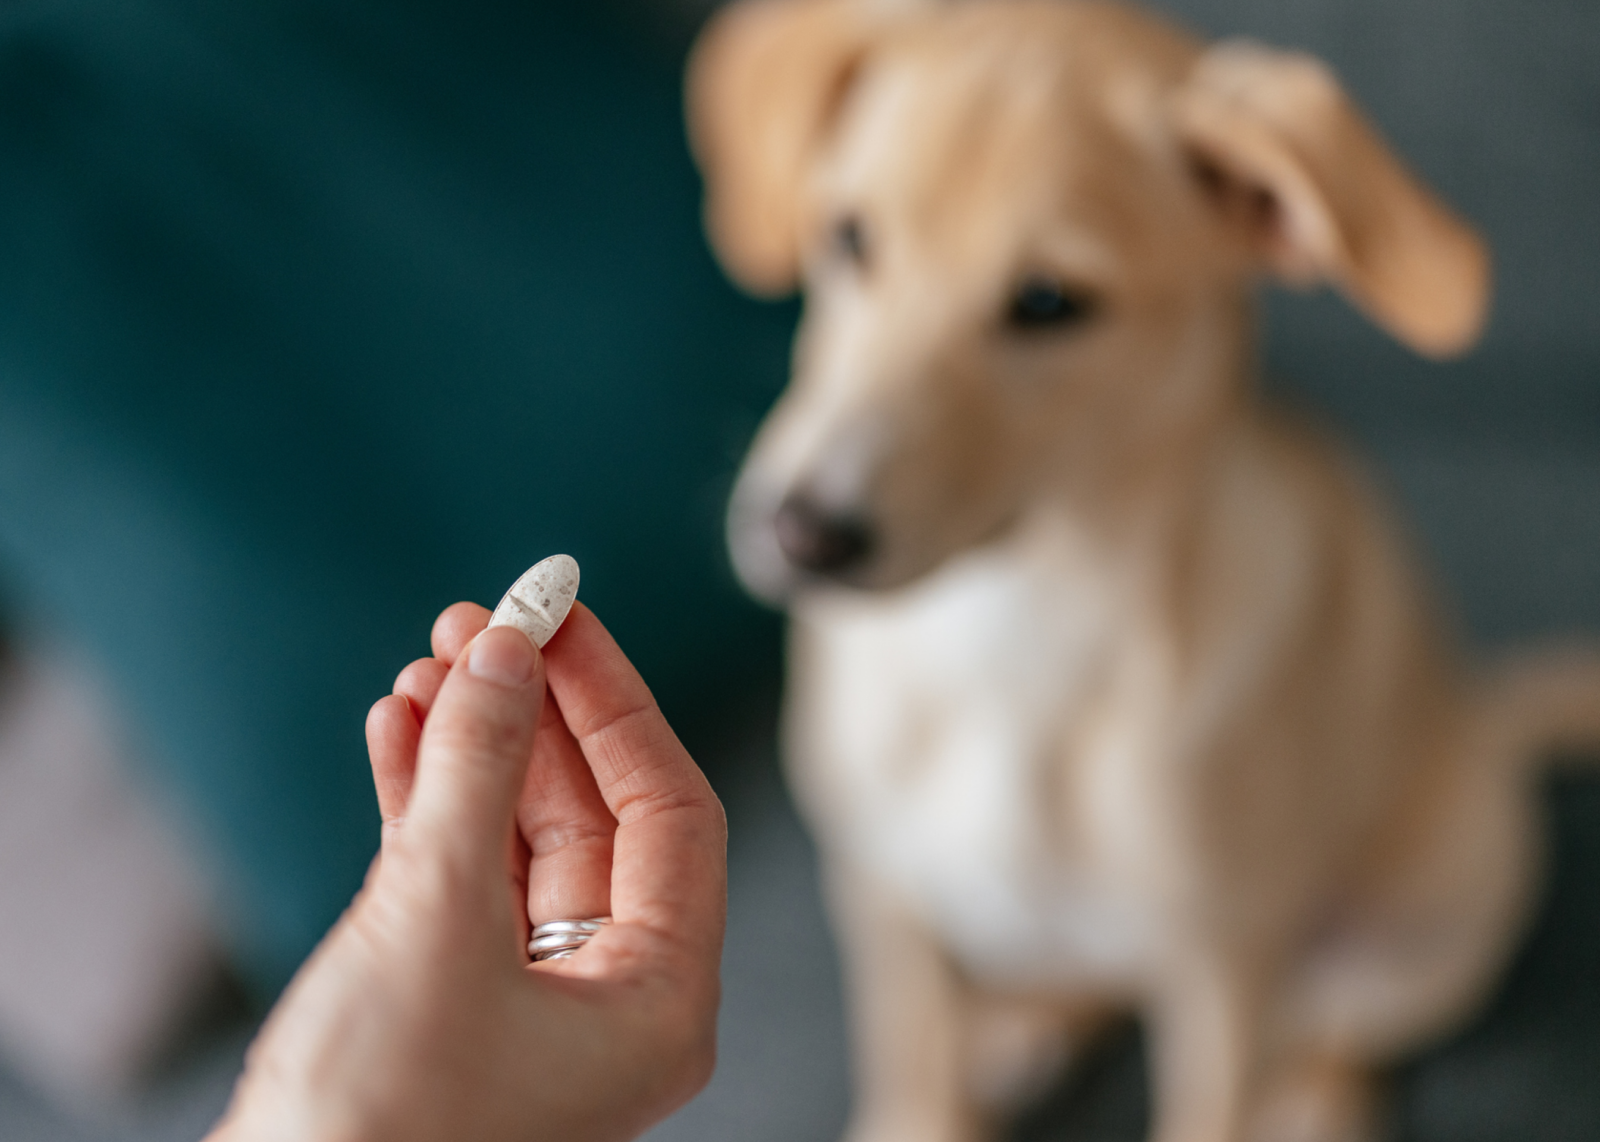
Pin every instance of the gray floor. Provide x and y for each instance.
(1525, 1071)
(179, 1109)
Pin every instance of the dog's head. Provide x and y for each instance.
(1026, 231)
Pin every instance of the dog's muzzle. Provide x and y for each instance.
(820, 541)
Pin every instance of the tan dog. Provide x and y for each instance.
(1109, 687)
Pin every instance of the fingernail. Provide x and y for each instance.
(504, 656)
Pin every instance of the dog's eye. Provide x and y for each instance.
(850, 240)
(1041, 303)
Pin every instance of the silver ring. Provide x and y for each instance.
(558, 939)
(554, 926)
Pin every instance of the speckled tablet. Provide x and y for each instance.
(538, 602)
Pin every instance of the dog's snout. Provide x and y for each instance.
(816, 539)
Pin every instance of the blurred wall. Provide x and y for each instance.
(315, 318)
(1496, 458)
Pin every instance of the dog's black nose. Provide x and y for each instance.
(815, 539)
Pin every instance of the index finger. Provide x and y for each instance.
(669, 869)
(456, 626)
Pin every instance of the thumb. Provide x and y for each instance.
(473, 756)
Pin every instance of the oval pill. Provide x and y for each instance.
(538, 602)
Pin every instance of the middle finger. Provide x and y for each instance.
(567, 827)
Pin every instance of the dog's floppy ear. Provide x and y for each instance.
(1293, 166)
(765, 82)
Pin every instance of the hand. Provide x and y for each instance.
(419, 1016)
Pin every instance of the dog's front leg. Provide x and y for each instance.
(1207, 1019)
(908, 1010)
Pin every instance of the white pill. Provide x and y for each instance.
(537, 603)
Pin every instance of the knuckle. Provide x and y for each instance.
(422, 885)
(557, 836)
(697, 1054)
(645, 796)
(491, 733)
(683, 1040)
(697, 1066)
(635, 725)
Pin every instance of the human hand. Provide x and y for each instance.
(419, 1016)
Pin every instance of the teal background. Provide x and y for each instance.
(315, 318)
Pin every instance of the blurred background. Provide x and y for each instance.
(315, 318)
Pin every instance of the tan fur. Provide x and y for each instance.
(1138, 702)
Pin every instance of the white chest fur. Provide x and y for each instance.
(956, 745)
